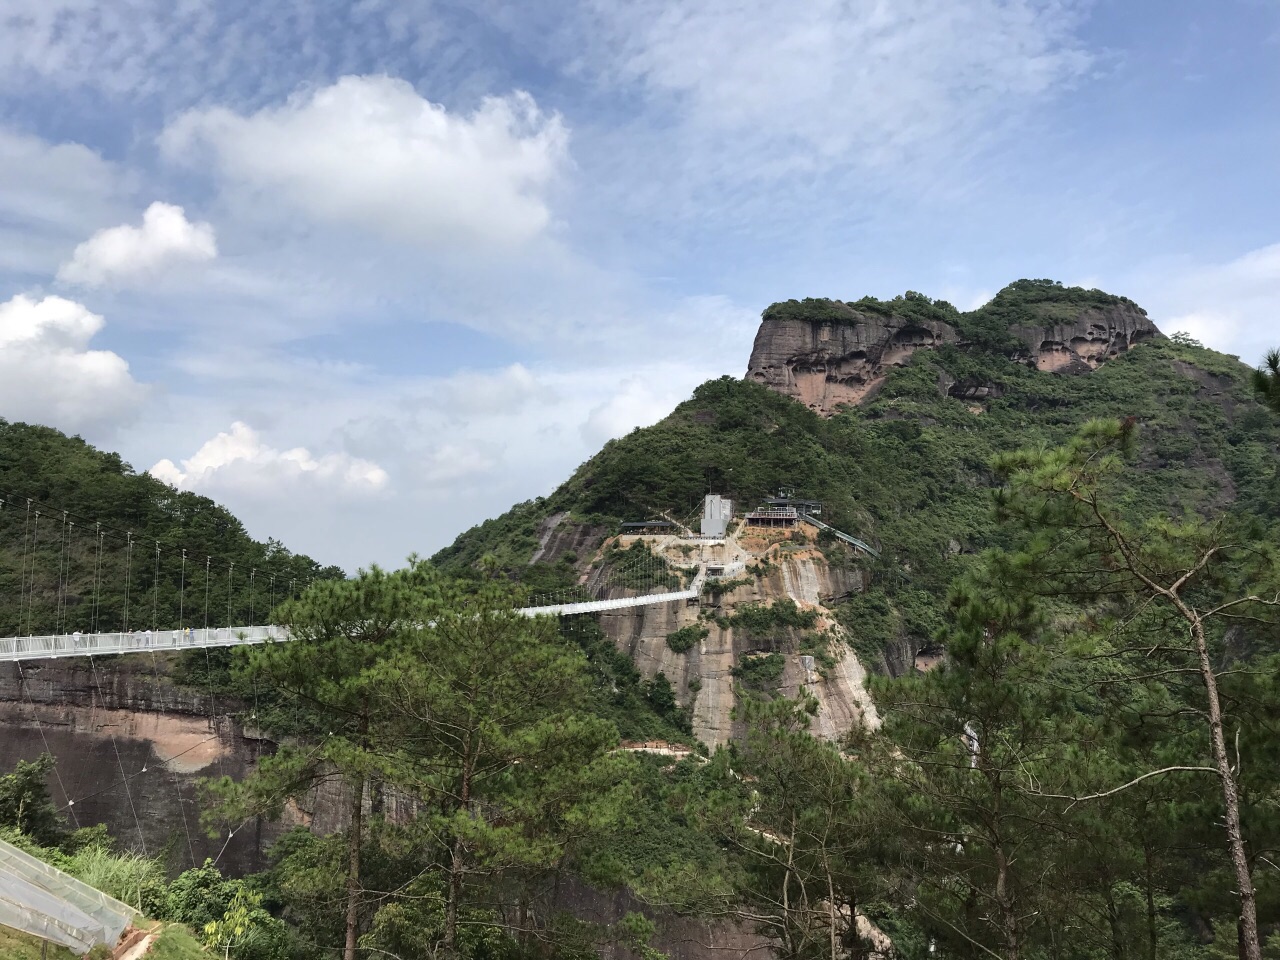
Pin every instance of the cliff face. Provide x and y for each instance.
(703, 676)
(830, 362)
(828, 354)
(1096, 335)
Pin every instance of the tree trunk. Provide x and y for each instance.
(1008, 908)
(1250, 947)
(353, 869)
(457, 864)
(1113, 926)
(832, 915)
(1152, 937)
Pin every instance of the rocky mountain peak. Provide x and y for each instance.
(829, 353)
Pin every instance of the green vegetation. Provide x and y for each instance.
(772, 625)
(1266, 381)
(760, 673)
(715, 589)
(20, 946)
(682, 640)
(55, 575)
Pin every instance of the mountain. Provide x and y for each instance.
(828, 354)
(889, 412)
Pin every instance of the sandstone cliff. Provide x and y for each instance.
(779, 568)
(829, 354)
(838, 358)
(1094, 336)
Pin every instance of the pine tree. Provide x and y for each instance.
(342, 631)
(492, 736)
(1166, 589)
(1266, 381)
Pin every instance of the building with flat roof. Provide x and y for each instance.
(773, 517)
(717, 511)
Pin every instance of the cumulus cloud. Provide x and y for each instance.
(128, 254)
(1228, 306)
(49, 375)
(238, 461)
(51, 194)
(636, 402)
(370, 151)
(816, 82)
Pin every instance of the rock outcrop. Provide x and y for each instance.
(1095, 336)
(703, 677)
(829, 354)
(839, 359)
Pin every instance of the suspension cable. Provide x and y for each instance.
(31, 592)
(125, 778)
(97, 576)
(155, 592)
(26, 690)
(61, 595)
(22, 578)
(207, 562)
(128, 576)
(177, 789)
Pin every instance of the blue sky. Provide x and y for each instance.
(370, 272)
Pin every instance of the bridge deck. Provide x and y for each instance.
(143, 641)
(103, 644)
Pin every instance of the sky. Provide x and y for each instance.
(370, 272)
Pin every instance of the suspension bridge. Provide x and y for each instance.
(96, 591)
(75, 588)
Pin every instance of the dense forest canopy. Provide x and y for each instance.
(65, 569)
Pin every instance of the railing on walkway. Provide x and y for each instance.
(619, 603)
(137, 641)
(159, 641)
(854, 541)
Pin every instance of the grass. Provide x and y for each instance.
(21, 946)
(176, 942)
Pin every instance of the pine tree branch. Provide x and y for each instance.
(1124, 786)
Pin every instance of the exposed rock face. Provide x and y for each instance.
(130, 748)
(703, 677)
(830, 363)
(843, 354)
(1097, 335)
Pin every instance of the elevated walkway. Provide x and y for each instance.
(619, 603)
(840, 534)
(13, 649)
(105, 644)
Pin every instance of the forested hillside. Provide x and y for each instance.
(910, 469)
(61, 572)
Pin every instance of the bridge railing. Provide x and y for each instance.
(135, 641)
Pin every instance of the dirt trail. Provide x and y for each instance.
(139, 947)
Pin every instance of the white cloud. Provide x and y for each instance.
(637, 402)
(829, 82)
(1229, 306)
(238, 461)
(370, 151)
(126, 253)
(50, 194)
(48, 374)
